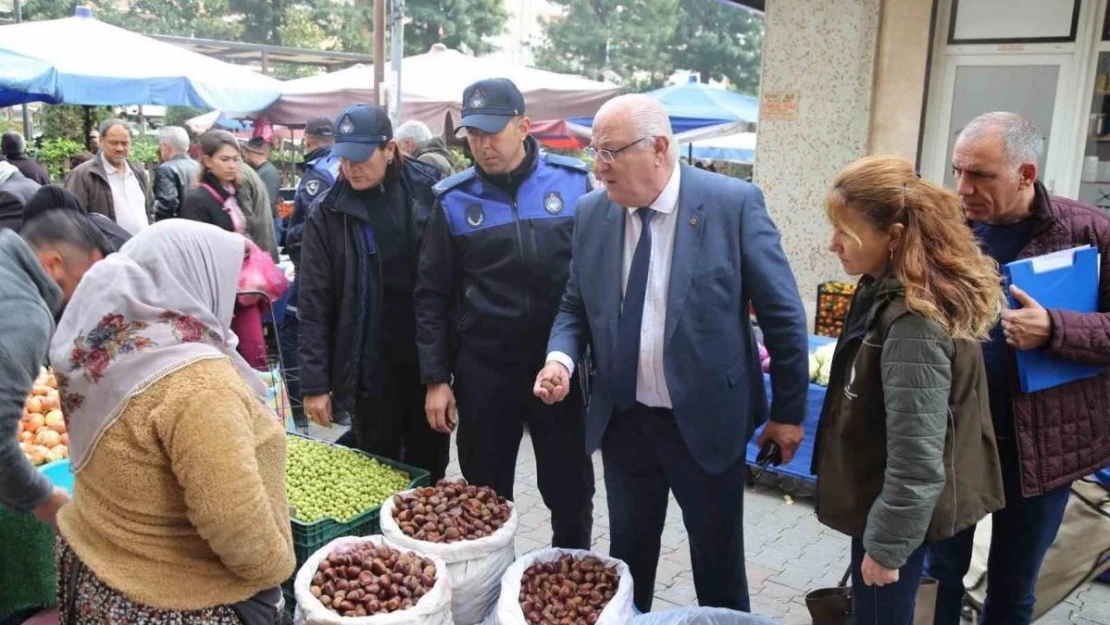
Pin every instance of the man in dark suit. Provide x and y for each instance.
(679, 388)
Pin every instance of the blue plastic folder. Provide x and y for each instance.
(1064, 280)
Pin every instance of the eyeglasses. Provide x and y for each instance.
(608, 156)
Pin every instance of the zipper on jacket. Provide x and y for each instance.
(523, 252)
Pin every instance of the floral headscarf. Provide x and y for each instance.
(163, 302)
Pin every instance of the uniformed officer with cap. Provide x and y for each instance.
(357, 276)
(318, 173)
(492, 270)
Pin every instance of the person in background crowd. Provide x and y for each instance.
(1048, 438)
(215, 200)
(76, 160)
(38, 275)
(258, 209)
(416, 141)
(179, 510)
(257, 155)
(905, 448)
(14, 149)
(227, 195)
(318, 173)
(492, 269)
(111, 185)
(15, 190)
(175, 175)
(679, 387)
(357, 274)
(52, 196)
(93, 144)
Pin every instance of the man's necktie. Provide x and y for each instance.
(626, 355)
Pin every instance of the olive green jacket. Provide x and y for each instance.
(905, 446)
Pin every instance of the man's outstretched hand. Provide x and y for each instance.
(552, 383)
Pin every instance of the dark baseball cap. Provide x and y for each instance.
(319, 127)
(359, 130)
(489, 104)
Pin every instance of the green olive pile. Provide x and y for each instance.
(327, 481)
(450, 512)
(568, 591)
(371, 580)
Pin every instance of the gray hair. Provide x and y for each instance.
(109, 124)
(1022, 142)
(413, 130)
(14, 143)
(647, 116)
(175, 137)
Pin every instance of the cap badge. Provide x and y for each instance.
(346, 126)
(553, 203)
(478, 99)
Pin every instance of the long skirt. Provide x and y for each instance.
(85, 600)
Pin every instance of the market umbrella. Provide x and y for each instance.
(432, 87)
(736, 148)
(80, 60)
(693, 106)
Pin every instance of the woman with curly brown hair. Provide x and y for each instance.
(905, 447)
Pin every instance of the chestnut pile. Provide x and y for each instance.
(567, 591)
(450, 512)
(372, 580)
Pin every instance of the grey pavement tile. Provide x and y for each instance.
(785, 545)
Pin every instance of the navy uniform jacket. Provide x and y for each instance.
(493, 266)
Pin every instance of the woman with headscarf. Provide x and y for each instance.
(179, 511)
(52, 196)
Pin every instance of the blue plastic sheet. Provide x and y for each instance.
(815, 399)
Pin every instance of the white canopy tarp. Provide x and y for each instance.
(432, 86)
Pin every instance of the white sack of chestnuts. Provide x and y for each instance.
(556, 586)
(375, 583)
(473, 532)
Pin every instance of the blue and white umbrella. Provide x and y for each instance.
(80, 60)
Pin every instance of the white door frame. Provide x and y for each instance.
(934, 158)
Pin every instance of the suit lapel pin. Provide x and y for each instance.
(693, 221)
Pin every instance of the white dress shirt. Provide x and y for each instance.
(651, 381)
(127, 197)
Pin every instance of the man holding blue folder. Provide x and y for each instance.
(1047, 438)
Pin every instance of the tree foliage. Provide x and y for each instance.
(644, 41)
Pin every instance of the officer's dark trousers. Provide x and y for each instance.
(645, 457)
(495, 402)
(393, 424)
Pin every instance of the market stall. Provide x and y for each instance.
(815, 398)
(66, 61)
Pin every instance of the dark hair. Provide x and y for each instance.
(79, 158)
(212, 141)
(64, 227)
(50, 197)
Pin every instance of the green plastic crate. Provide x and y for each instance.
(28, 578)
(308, 538)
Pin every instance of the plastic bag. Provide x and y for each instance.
(619, 611)
(433, 608)
(475, 566)
(261, 274)
(700, 616)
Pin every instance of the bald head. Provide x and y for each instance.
(636, 152)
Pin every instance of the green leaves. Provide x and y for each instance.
(643, 41)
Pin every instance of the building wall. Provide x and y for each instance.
(824, 51)
(900, 67)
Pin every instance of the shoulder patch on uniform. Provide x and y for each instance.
(553, 202)
(475, 215)
(565, 161)
(312, 187)
(445, 185)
